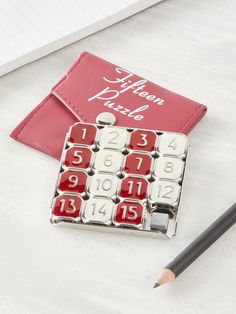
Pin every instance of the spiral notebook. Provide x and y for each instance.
(32, 29)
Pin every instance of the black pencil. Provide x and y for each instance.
(197, 247)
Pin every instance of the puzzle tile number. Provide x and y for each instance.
(98, 210)
(67, 206)
(138, 163)
(129, 213)
(108, 160)
(73, 181)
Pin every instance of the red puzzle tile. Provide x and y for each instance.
(129, 213)
(78, 157)
(143, 140)
(83, 134)
(74, 181)
(67, 206)
(138, 163)
(134, 187)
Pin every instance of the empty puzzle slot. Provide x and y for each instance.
(159, 221)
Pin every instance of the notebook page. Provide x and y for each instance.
(30, 29)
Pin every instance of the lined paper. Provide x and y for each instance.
(30, 29)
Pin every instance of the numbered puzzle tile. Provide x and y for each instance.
(134, 188)
(129, 214)
(169, 168)
(164, 192)
(108, 160)
(98, 210)
(67, 206)
(78, 157)
(173, 144)
(103, 185)
(138, 163)
(143, 140)
(83, 134)
(112, 137)
(73, 181)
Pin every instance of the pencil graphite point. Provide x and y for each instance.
(156, 285)
(166, 276)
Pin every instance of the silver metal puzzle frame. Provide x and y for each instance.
(157, 217)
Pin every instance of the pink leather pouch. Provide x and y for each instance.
(92, 86)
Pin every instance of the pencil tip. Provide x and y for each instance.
(156, 285)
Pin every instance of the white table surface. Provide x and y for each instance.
(187, 46)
